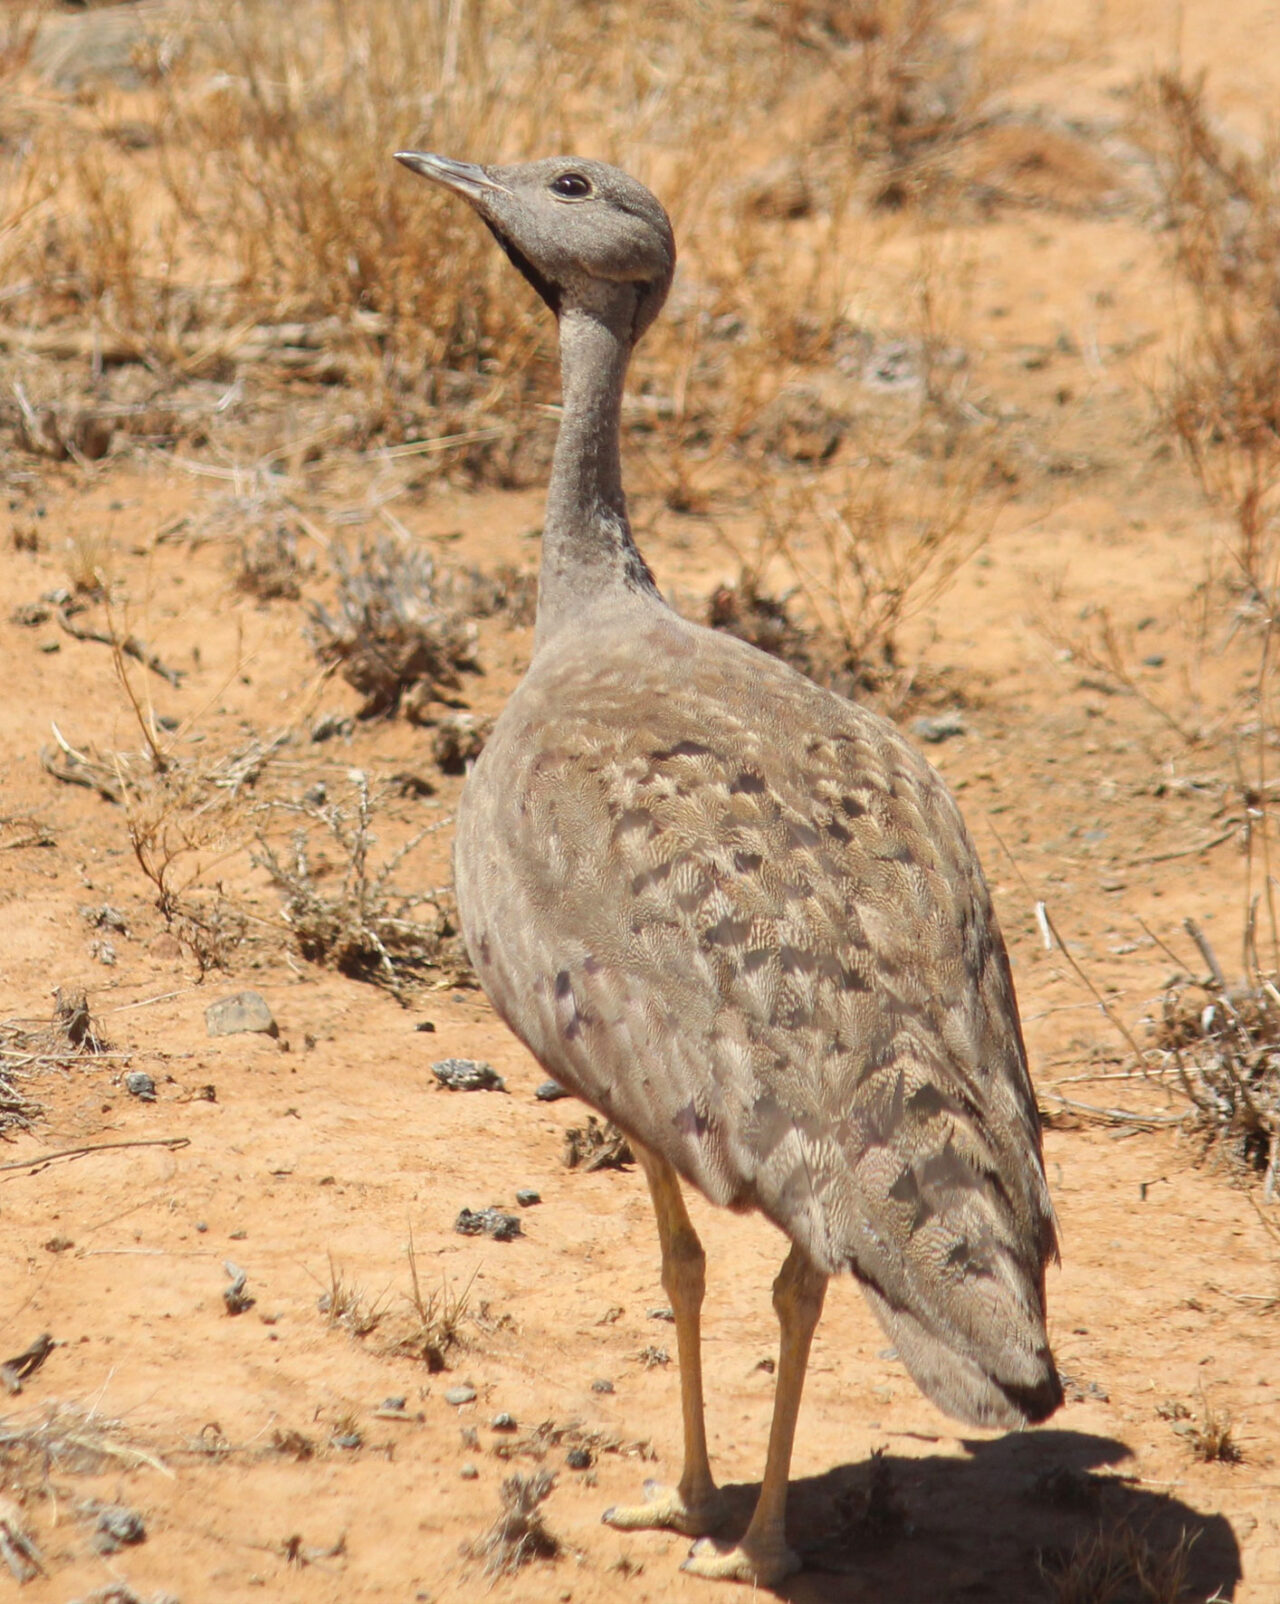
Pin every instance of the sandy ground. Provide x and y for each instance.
(258, 1448)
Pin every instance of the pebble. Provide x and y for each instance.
(468, 1075)
(468, 1472)
(140, 1085)
(503, 1422)
(457, 1396)
(487, 1222)
(935, 729)
(550, 1091)
(526, 1197)
(118, 1526)
(245, 1012)
(602, 1386)
(397, 1403)
(578, 1459)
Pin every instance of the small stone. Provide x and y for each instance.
(395, 1404)
(602, 1385)
(470, 1436)
(503, 1422)
(662, 1312)
(468, 1472)
(578, 1459)
(245, 1012)
(316, 795)
(330, 724)
(140, 1085)
(117, 1527)
(467, 1075)
(940, 727)
(550, 1091)
(526, 1197)
(1155, 660)
(202, 1226)
(457, 1396)
(489, 1222)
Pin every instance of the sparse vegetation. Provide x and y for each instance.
(364, 927)
(1222, 397)
(346, 1304)
(435, 1318)
(395, 639)
(1115, 1563)
(520, 1534)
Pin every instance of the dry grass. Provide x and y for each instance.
(69, 1440)
(1223, 1044)
(1118, 1565)
(1222, 397)
(362, 925)
(519, 1534)
(435, 1318)
(29, 1050)
(396, 638)
(346, 1304)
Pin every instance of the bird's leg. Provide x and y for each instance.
(762, 1556)
(694, 1505)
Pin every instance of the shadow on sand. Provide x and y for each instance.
(985, 1529)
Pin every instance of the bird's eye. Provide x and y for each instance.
(572, 185)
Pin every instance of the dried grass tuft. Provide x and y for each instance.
(363, 926)
(1115, 1564)
(396, 638)
(519, 1535)
(1221, 400)
(1224, 1045)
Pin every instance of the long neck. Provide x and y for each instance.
(587, 549)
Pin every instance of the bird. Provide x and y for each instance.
(742, 917)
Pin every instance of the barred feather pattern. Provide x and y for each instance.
(749, 925)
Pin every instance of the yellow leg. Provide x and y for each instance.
(694, 1505)
(762, 1556)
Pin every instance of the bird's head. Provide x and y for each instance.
(585, 235)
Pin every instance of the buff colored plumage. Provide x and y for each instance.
(742, 917)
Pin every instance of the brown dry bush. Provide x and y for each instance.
(1118, 1565)
(396, 637)
(519, 1534)
(1221, 400)
(1223, 1044)
(361, 924)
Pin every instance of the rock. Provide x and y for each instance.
(939, 728)
(526, 1197)
(550, 1092)
(468, 1472)
(603, 1385)
(118, 1526)
(578, 1459)
(140, 1085)
(245, 1012)
(503, 1422)
(487, 1222)
(468, 1075)
(457, 1396)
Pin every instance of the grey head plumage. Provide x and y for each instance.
(580, 231)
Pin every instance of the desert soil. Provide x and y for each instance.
(257, 1447)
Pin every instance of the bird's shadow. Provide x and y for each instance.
(1016, 1522)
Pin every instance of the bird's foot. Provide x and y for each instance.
(763, 1564)
(667, 1508)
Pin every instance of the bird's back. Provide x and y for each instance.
(743, 918)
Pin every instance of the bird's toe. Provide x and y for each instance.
(668, 1509)
(762, 1564)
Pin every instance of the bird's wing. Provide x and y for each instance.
(753, 930)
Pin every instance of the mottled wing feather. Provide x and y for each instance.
(754, 932)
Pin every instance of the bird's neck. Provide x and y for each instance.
(588, 554)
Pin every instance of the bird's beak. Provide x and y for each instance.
(465, 178)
